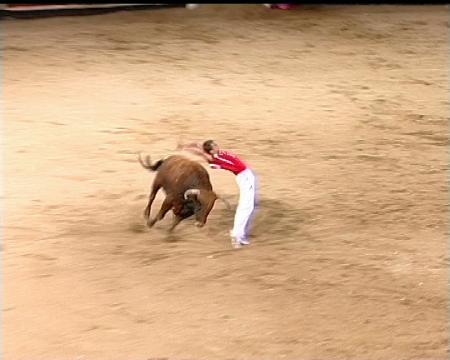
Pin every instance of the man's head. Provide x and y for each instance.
(210, 147)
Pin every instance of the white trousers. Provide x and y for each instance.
(246, 181)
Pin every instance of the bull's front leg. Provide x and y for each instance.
(176, 220)
(181, 211)
(165, 207)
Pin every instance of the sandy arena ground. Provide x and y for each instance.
(342, 113)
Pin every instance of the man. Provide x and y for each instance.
(245, 178)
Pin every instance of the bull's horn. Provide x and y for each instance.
(189, 192)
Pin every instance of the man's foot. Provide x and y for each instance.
(237, 243)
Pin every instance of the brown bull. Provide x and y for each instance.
(187, 186)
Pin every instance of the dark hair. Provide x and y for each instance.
(208, 146)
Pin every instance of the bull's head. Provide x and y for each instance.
(206, 198)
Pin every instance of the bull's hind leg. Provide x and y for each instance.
(165, 207)
(152, 196)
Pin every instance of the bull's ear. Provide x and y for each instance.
(227, 204)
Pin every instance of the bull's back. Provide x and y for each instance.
(179, 174)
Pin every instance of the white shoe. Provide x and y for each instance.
(235, 243)
(238, 243)
(244, 242)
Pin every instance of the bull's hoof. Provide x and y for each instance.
(150, 223)
(199, 224)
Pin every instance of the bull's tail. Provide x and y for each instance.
(147, 163)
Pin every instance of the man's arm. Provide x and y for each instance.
(195, 149)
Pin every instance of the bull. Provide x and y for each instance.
(188, 190)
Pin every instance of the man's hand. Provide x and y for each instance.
(196, 149)
(190, 147)
(180, 143)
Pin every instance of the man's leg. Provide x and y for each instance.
(248, 225)
(245, 207)
(250, 217)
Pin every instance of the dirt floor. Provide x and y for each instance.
(342, 112)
